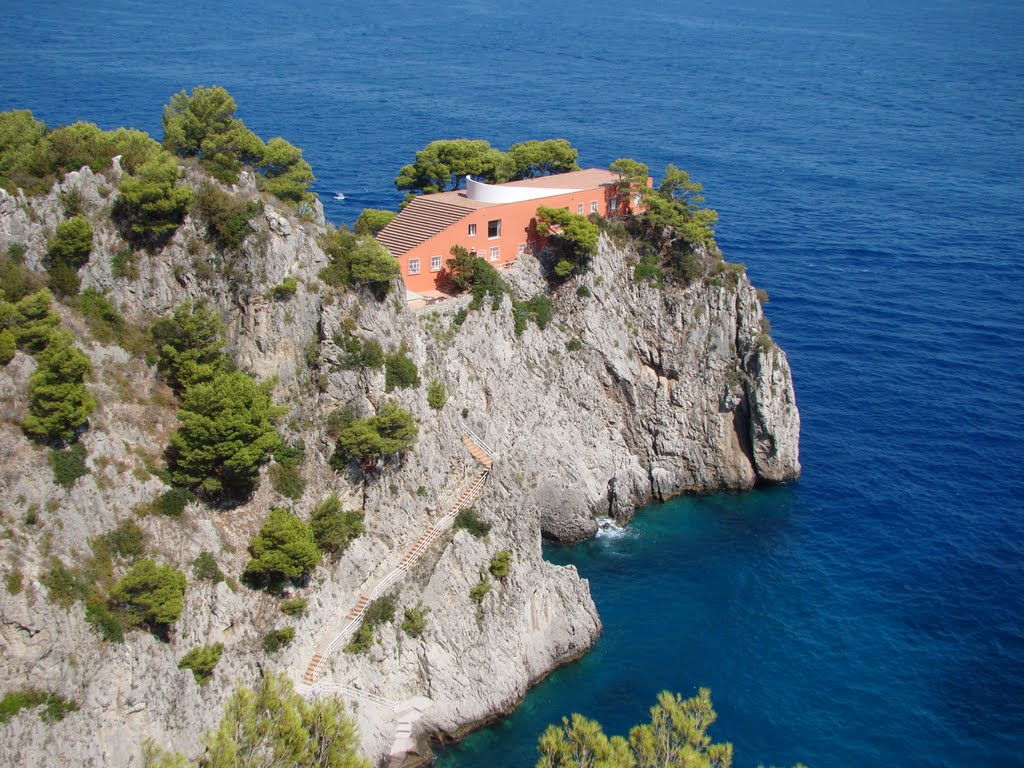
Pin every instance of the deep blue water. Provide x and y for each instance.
(866, 160)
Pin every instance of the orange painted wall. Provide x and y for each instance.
(517, 227)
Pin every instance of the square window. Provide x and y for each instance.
(472, 230)
(579, 209)
(494, 228)
(593, 206)
(494, 253)
(435, 263)
(414, 266)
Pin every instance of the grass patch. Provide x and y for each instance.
(55, 707)
(68, 464)
(469, 520)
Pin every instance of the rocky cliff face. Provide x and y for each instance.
(634, 392)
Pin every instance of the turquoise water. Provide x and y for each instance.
(866, 161)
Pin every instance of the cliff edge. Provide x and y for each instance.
(632, 392)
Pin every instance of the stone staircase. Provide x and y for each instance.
(483, 455)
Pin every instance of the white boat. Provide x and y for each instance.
(339, 196)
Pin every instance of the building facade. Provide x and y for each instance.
(497, 222)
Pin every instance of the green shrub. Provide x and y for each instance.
(373, 220)
(284, 549)
(150, 594)
(127, 541)
(583, 292)
(202, 661)
(203, 124)
(59, 402)
(391, 431)
(54, 707)
(762, 296)
(31, 320)
(287, 481)
(71, 243)
(14, 581)
(501, 564)
(285, 289)
(577, 234)
(414, 622)
(68, 464)
(285, 174)
(189, 345)
(400, 372)
(538, 308)
(295, 606)
(152, 204)
(72, 201)
(371, 265)
(359, 353)
(380, 611)
(356, 262)
(173, 502)
(16, 279)
(649, 270)
(64, 586)
(276, 639)
(63, 280)
(573, 345)
(290, 455)
(333, 528)
(468, 520)
(479, 592)
(98, 614)
(437, 395)
(205, 568)
(124, 264)
(226, 215)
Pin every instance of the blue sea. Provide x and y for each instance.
(866, 160)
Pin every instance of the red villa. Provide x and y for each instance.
(496, 222)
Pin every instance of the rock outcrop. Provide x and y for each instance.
(633, 392)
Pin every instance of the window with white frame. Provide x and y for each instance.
(636, 199)
(613, 204)
(593, 206)
(414, 266)
(495, 251)
(472, 230)
(579, 209)
(494, 228)
(435, 263)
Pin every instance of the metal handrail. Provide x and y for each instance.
(349, 691)
(480, 443)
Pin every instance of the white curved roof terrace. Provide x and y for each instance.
(504, 193)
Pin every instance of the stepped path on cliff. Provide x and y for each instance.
(482, 454)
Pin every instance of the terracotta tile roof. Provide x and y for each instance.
(420, 220)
